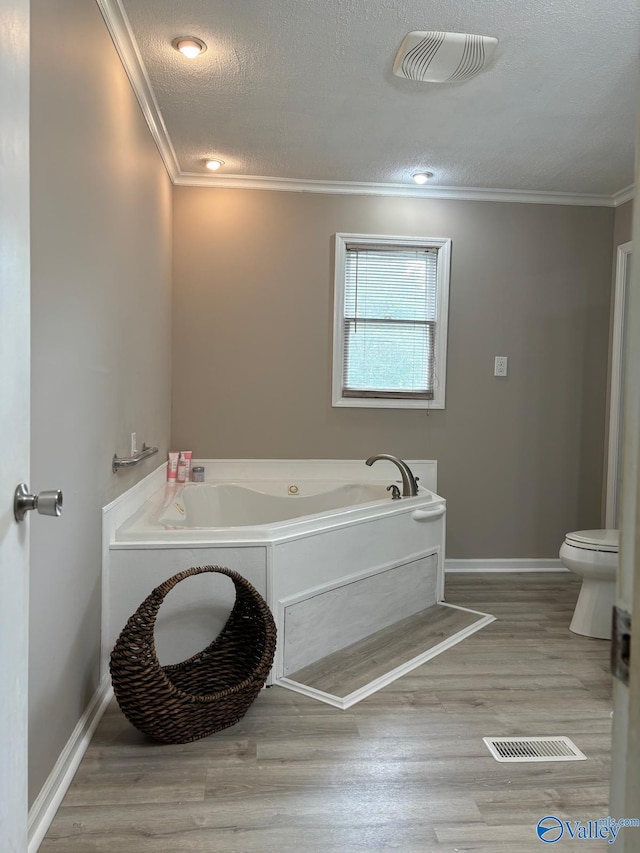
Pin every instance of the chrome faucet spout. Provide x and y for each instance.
(409, 482)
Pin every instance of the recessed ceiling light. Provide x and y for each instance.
(422, 177)
(214, 165)
(189, 46)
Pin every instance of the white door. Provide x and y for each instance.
(614, 455)
(625, 787)
(14, 417)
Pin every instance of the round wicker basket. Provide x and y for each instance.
(208, 692)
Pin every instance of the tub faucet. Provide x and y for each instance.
(409, 482)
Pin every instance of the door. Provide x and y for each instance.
(14, 417)
(625, 786)
(614, 455)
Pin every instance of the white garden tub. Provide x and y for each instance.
(262, 503)
(334, 556)
(257, 510)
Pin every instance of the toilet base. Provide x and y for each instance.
(593, 613)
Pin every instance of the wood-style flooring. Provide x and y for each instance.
(359, 664)
(405, 769)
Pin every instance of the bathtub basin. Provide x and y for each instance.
(260, 510)
(233, 505)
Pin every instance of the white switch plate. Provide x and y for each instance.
(500, 368)
(134, 444)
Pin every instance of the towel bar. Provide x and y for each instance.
(130, 461)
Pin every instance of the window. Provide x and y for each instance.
(390, 321)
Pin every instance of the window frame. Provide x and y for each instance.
(443, 247)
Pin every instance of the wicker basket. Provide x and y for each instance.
(208, 692)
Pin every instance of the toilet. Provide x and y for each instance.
(593, 555)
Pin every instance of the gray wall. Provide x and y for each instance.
(101, 266)
(520, 459)
(622, 224)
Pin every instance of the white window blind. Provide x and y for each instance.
(391, 301)
(390, 316)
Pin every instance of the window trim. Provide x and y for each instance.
(338, 398)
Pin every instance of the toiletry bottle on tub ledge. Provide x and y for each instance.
(184, 466)
(172, 466)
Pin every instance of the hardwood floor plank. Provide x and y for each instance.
(501, 808)
(137, 784)
(511, 838)
(359, 664)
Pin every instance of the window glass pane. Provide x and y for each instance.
(391, 356)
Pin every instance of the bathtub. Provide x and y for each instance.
(333, 555)
(255, 510)
(256, 504)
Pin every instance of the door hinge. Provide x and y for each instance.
(621, 644)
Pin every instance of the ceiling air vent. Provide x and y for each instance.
(434, 57)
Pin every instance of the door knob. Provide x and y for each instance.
(47, 503)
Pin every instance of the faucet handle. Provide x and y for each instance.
(395, 492)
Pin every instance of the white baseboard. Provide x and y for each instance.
(48, 800)
(504, 565)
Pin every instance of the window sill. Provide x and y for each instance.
(385, 403)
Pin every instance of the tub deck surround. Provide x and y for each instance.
(352, 564)
(341, 490)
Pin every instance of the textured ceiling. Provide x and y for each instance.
(303, 89)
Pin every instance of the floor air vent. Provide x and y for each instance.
(534, 749)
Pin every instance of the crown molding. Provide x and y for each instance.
(192, 179)
(119, 27)
(622, 196)
(122, 35)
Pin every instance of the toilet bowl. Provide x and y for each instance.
(593, 555)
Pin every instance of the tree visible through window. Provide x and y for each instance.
(390, 321)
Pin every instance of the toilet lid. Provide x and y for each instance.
(595, 540)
